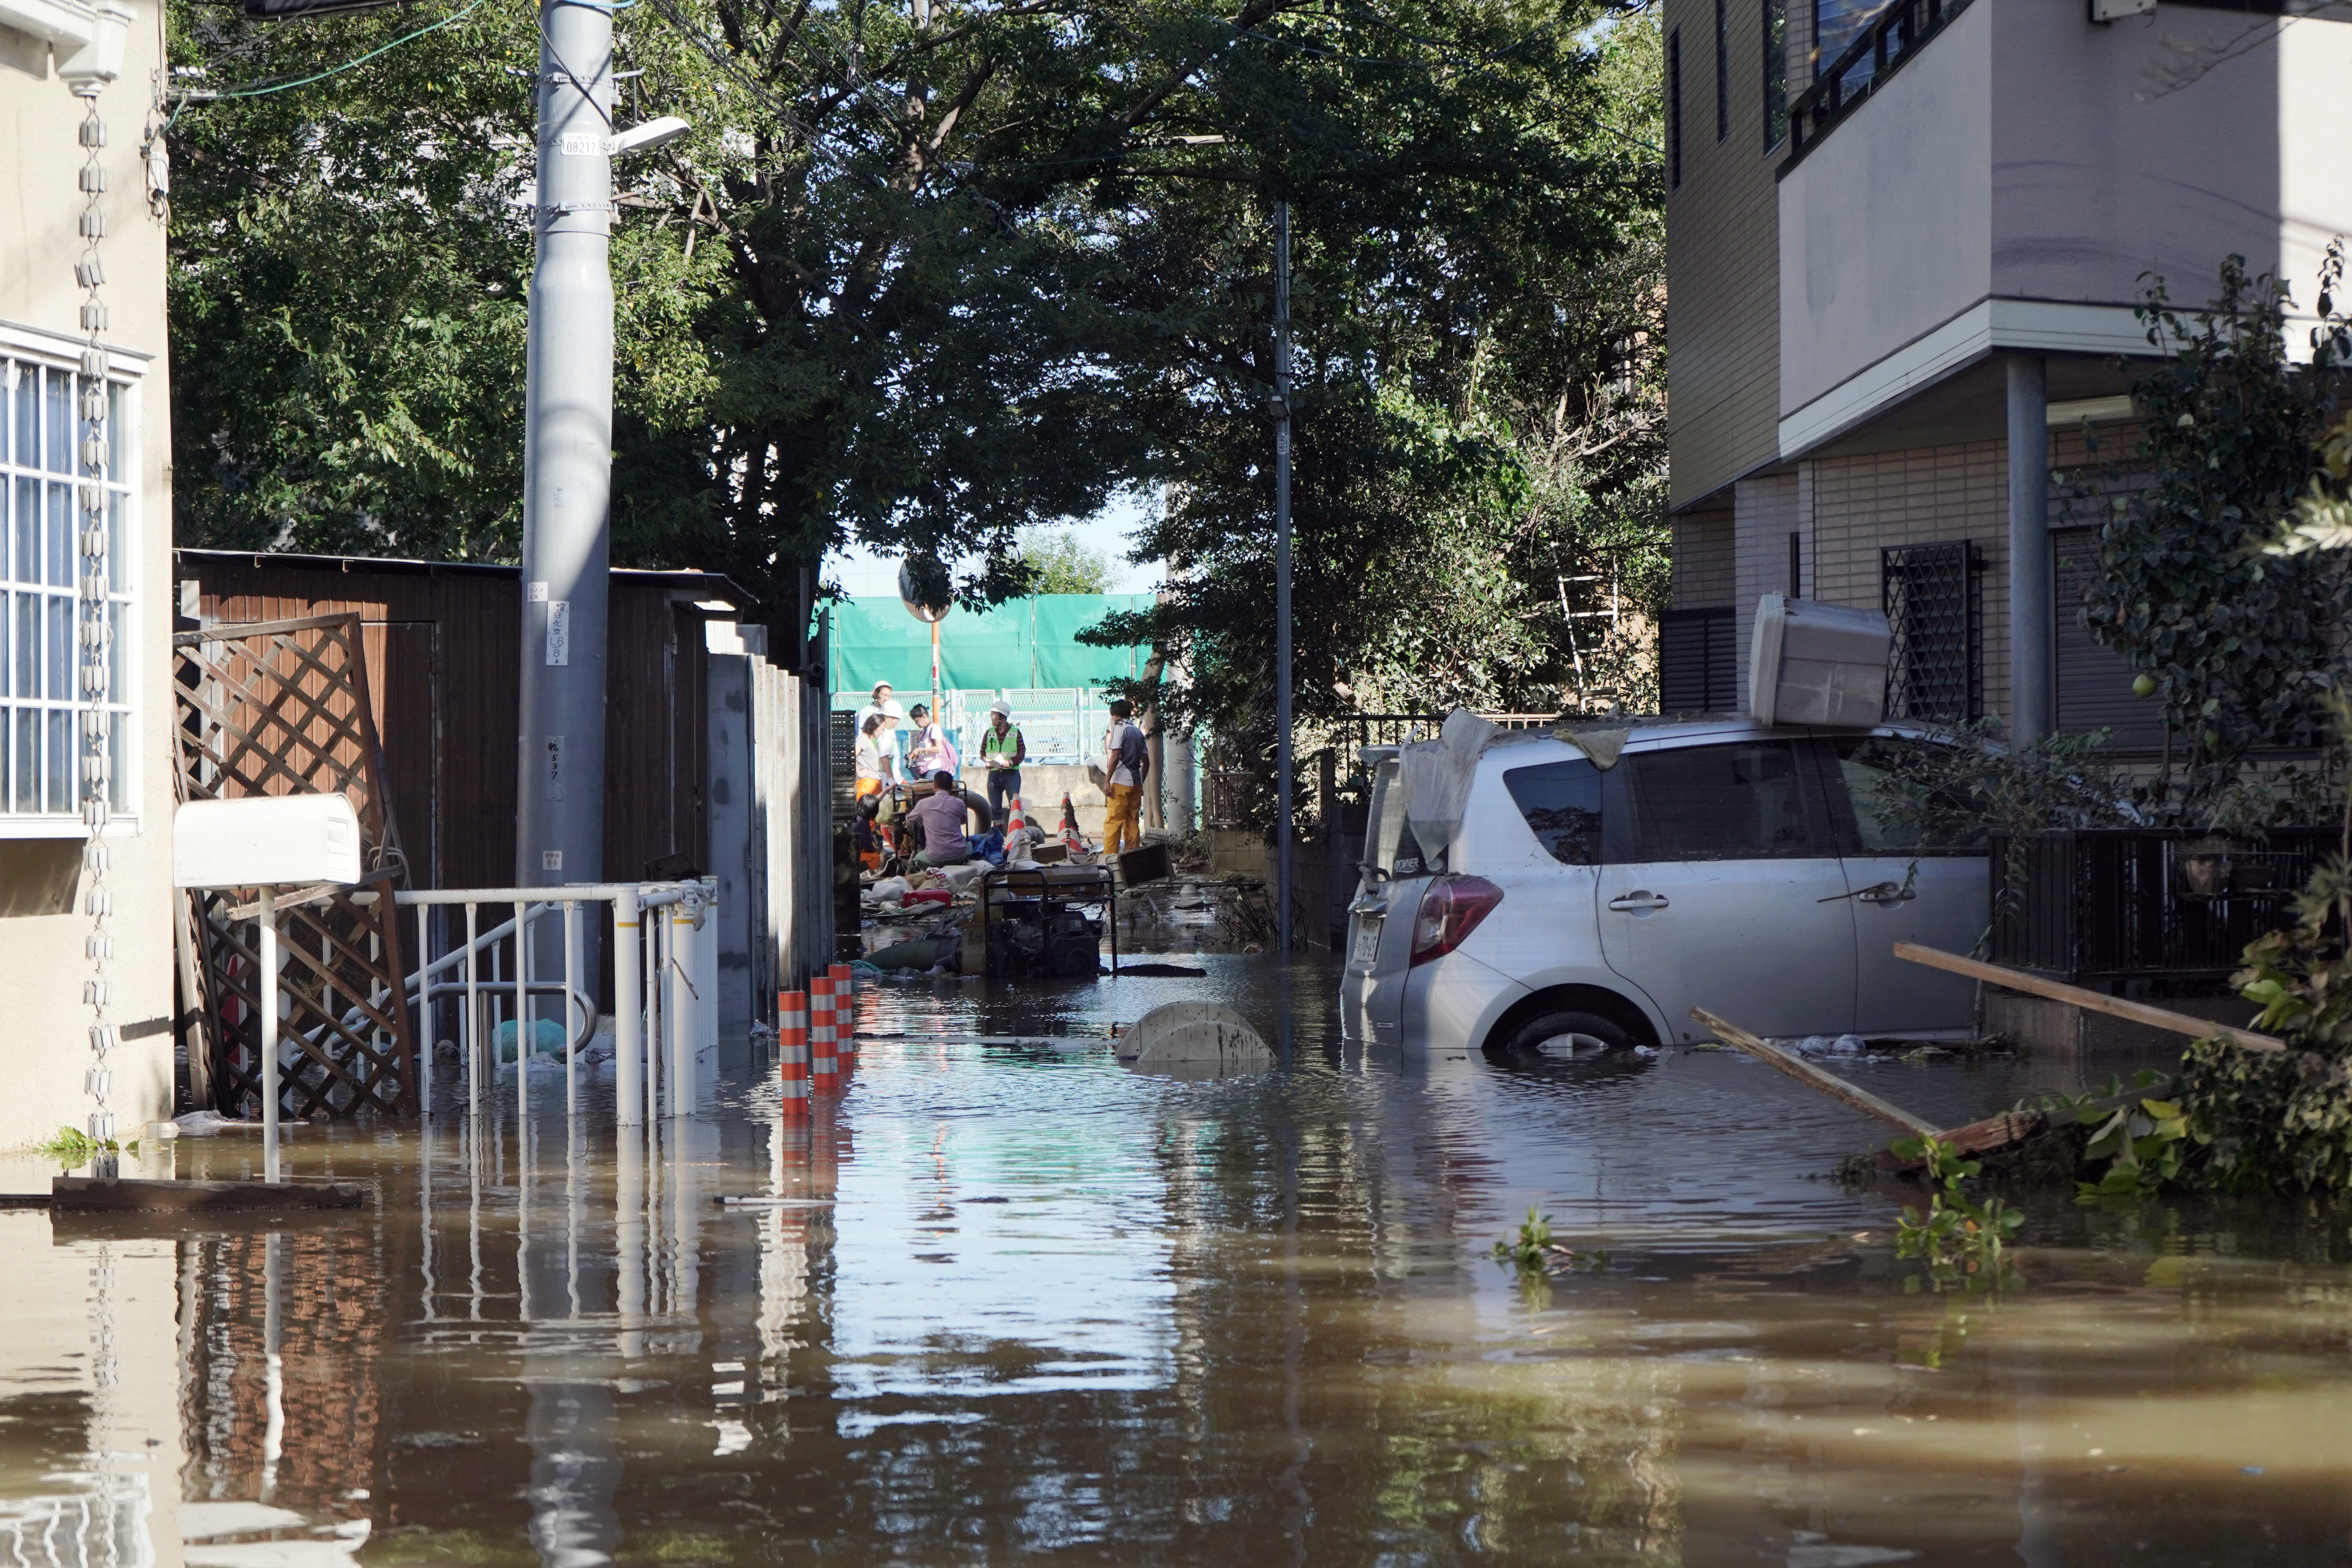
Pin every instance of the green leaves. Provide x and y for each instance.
(2226, 619)
(1962, 1239)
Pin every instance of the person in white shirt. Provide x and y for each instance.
(929, 750)
(874, 773)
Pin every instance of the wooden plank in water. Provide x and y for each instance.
(133, 1194)
(2114, 1007)
(1806, 1073)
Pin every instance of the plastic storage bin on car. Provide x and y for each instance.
(1816, 664)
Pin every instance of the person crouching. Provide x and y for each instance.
(939, 818)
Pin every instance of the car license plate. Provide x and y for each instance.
(1368, 941)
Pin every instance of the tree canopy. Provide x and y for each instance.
(925, 276)
(1059, 562)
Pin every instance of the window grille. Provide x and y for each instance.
(41, 462)
(1698, 669)
(1931, 600)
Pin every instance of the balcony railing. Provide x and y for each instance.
(1899, 31)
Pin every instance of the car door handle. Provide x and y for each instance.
(1641, 899)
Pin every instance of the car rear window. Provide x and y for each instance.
(1390, 845)
(1740, 802)
(1561, 803)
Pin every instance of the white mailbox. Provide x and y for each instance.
(271, 840)
(1816, 664)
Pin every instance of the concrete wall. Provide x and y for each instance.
(2027, 164)
(1885, 229)
(2114, 154)
(45, 1050)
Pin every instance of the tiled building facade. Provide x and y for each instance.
(1870, 291)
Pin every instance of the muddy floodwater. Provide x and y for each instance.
(1026, 1304)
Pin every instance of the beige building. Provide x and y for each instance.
(1897, 234)
(82, 708)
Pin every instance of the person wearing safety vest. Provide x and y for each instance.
(1002, 752)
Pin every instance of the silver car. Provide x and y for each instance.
(1763, 874)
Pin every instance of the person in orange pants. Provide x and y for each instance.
(1125, 761)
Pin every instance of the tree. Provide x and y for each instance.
(1058, 564)
(2238, 641)
(1479, 445)
(920, 279)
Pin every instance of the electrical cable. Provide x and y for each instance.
(203, 95)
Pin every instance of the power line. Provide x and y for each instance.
(201, 95)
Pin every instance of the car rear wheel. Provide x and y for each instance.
(1565, 1034)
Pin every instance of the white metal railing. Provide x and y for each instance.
(665, 988)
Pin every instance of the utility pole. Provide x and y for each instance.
(568, 458)
(1282, 715)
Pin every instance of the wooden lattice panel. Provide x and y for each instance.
(281, 708)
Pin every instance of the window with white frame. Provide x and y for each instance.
(41, 437)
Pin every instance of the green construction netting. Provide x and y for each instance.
(1021, 644)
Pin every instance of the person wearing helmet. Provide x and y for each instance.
(1002, 752)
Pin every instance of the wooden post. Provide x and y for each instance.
(2114, 1007)
(1806, 1073)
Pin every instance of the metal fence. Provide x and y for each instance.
(2108, 906)
(665, 987)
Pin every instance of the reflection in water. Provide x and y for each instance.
(1022, 1302)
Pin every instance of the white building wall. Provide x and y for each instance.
(44, 1049)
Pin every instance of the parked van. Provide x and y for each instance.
(1762, 873)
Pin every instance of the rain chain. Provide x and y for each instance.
(96, 639)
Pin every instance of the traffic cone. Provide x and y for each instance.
(1020, 820)
(1075, 840)
(792, 1043)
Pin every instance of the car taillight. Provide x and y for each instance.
(1450, 909)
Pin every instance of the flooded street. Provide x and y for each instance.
(1032, 1305)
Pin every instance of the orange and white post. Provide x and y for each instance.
(844, 1014)
(824, 1065)
(793, 1040)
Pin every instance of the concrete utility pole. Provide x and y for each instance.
(1281, 714)
(568, 458)
(2031, 595)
